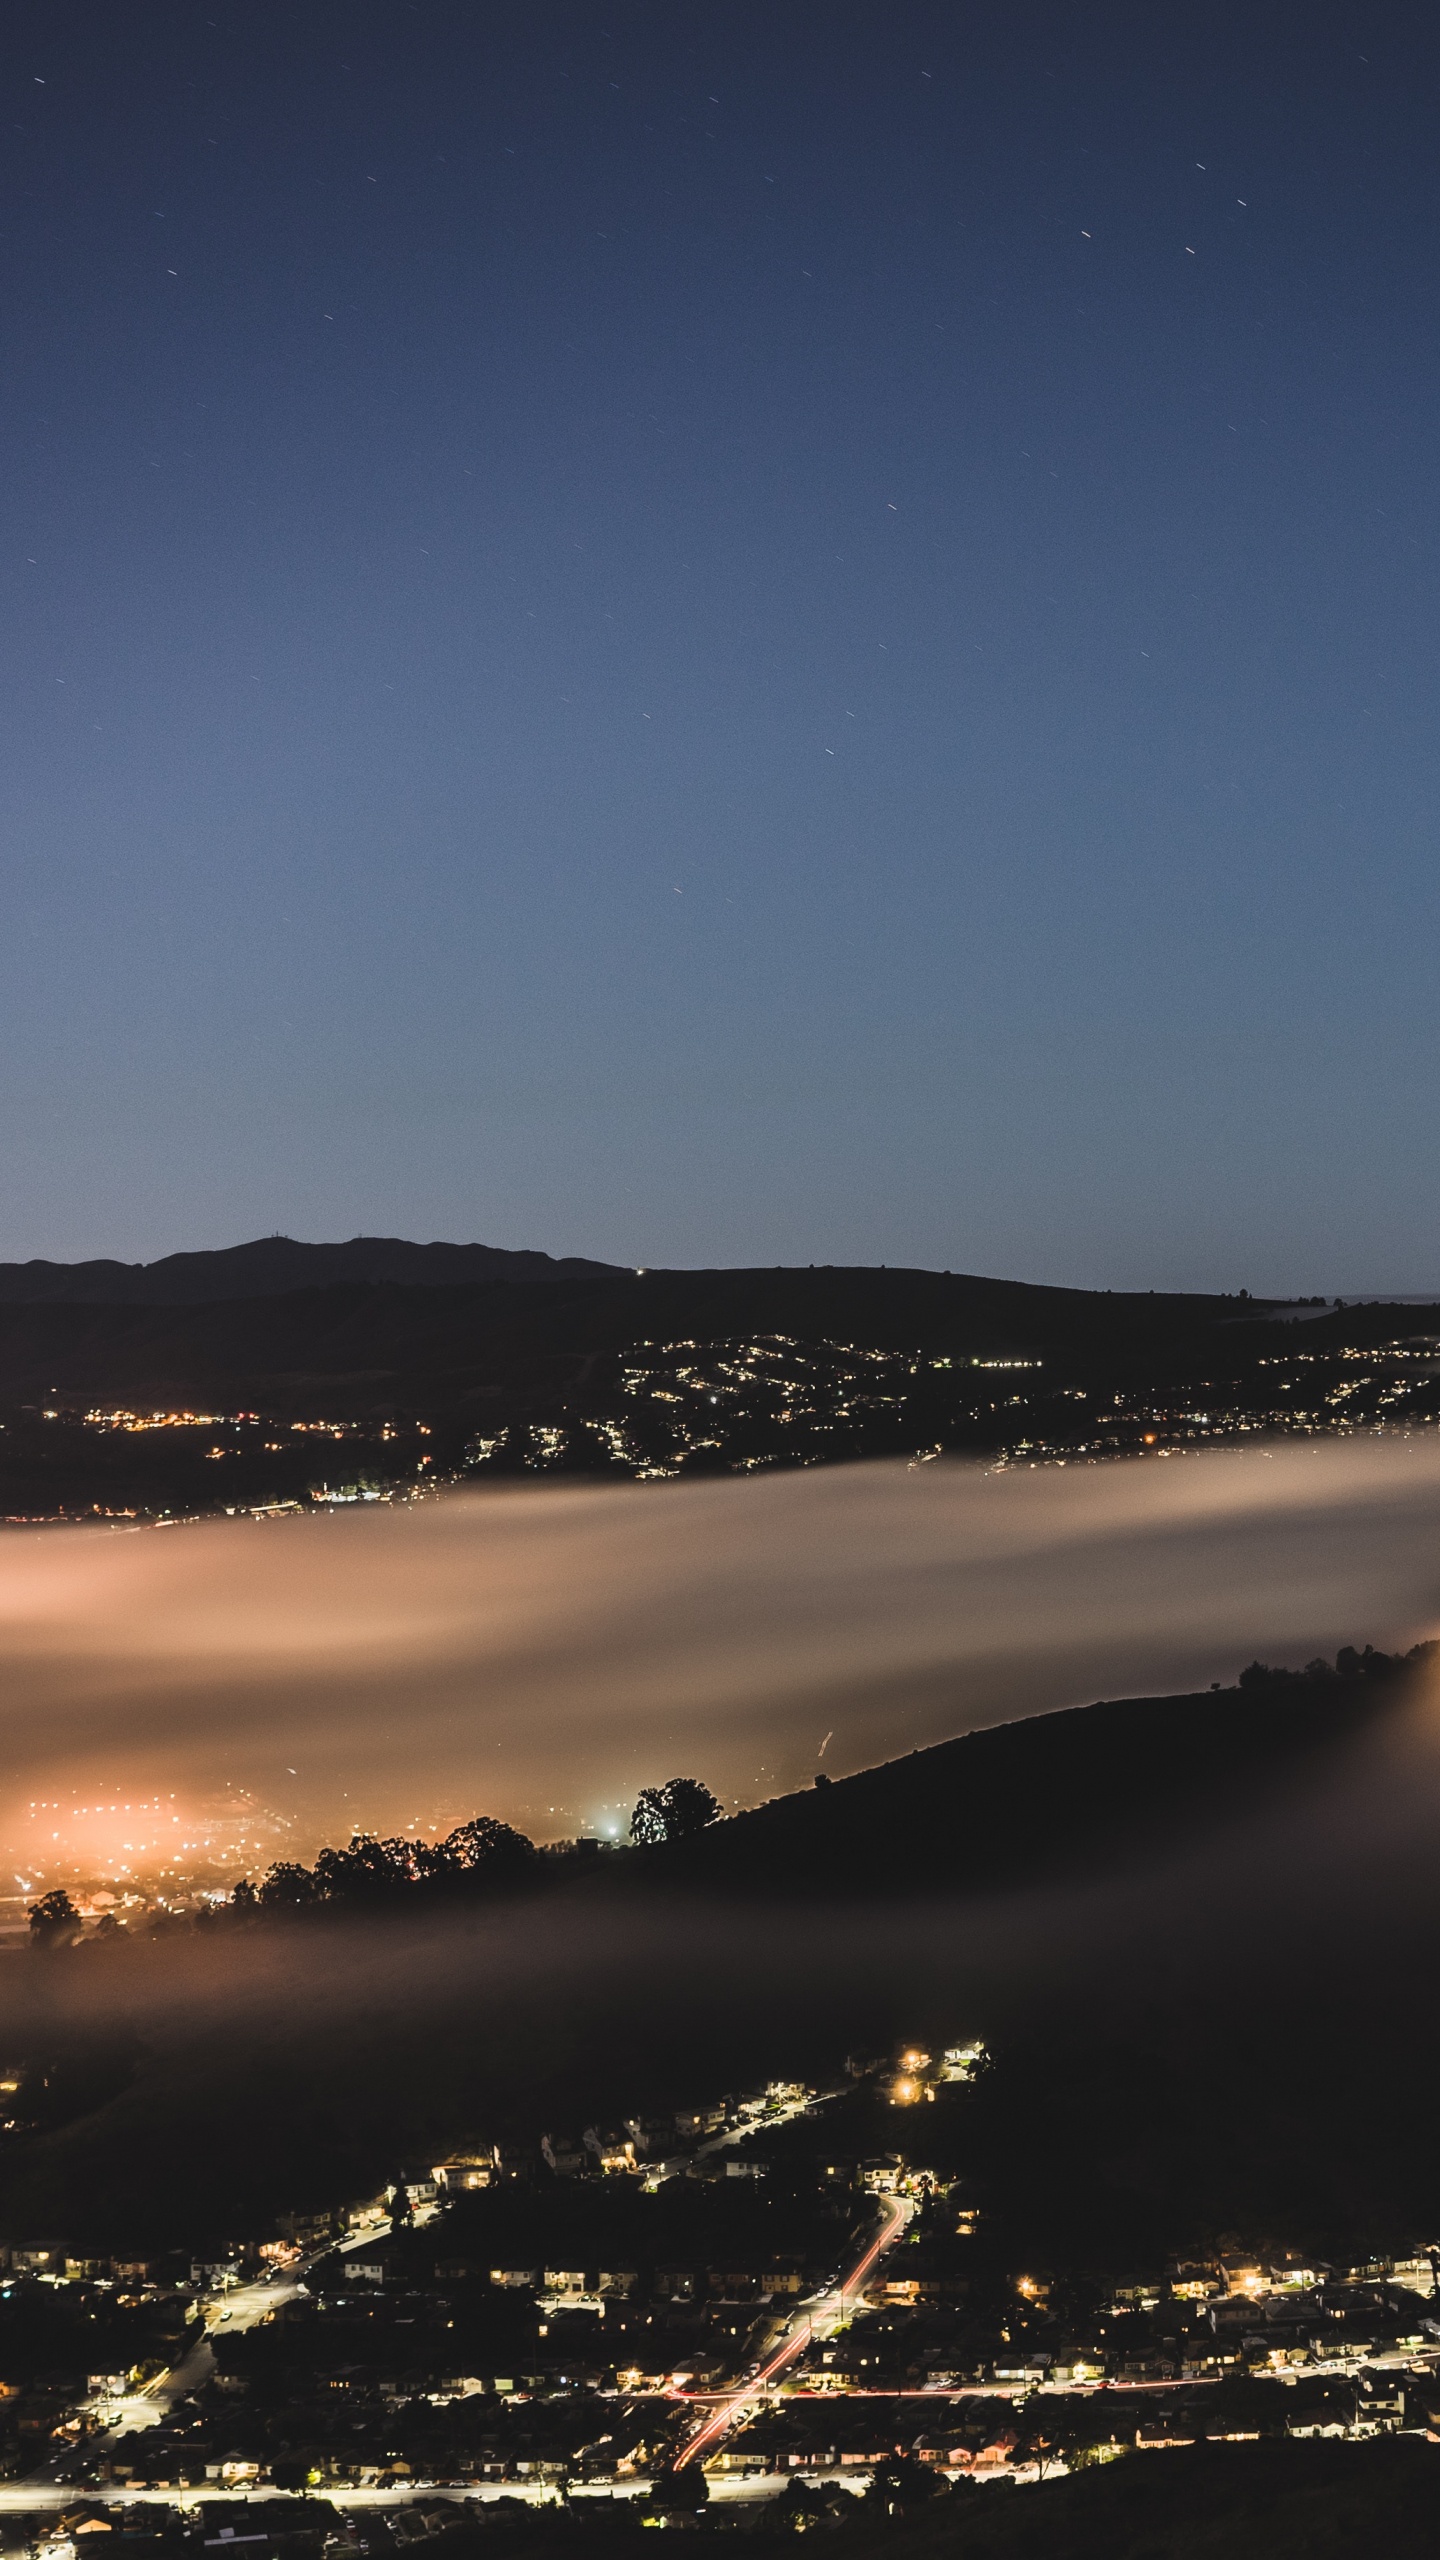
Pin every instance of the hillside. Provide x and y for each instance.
(1043, 1800)
(316, 2050)
(597, 1372)
(1268, 2501)
(377, 1339)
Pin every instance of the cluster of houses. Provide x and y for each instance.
(541, 2319)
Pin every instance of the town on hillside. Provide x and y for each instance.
(784, 2295)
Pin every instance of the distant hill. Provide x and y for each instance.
(465, 1361)
(234, 1325)
(268, 1268)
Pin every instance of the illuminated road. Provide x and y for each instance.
(21, 2497)
(230, 2309)
(819, 2318)
(658, 2171)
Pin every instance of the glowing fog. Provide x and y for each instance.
(541, 1653)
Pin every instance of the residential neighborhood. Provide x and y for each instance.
(786, 2283)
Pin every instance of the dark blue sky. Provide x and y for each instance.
(707, 634)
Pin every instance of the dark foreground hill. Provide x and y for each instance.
(1047, 1799)
(1038, 1802)
(1377, 2501)
(1181, 2070)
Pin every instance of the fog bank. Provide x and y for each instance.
(542, 1652)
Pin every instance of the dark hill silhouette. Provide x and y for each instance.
(1017, 1805)
(513, 1335)
(577, 1368)
(1262, 2501)
(1087, 1790)
(268, 1268)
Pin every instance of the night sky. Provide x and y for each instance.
(719, 634)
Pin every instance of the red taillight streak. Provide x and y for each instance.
(716, 2426)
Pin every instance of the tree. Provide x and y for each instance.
(797, 2508)
(680, 2493)
(903, 2482)
(54, 1920)
(676, 1811)
(485, 1851)
(288, 1887)
(370, 1870)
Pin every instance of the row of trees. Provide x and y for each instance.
(482, 1855)
(479, 1858)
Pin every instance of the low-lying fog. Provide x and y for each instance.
(539, 1654)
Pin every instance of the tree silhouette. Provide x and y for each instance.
(54, 1920)
(680, 2493)
(676, 1811)
(288, 1887)
(479, 1856)
(485, 1851)
(903, 2482)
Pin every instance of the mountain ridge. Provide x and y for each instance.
(274, 1266)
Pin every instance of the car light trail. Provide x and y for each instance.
(896, 2215)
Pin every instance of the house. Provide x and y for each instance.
(465, 2169)
(1194, 2280)
(615, 2149)
(651, 2135)
(372, 2265)
(1243, 2275)
(743, 2284)
(695, 2124)
(1328, 2415)
(365, 2210)
(1296, 2274)
(676, 2284)
(567, 2158)
(1160, 2429)
(1137, 2293)
(882, 2175)
(1380, 2405)
(309, 2230)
